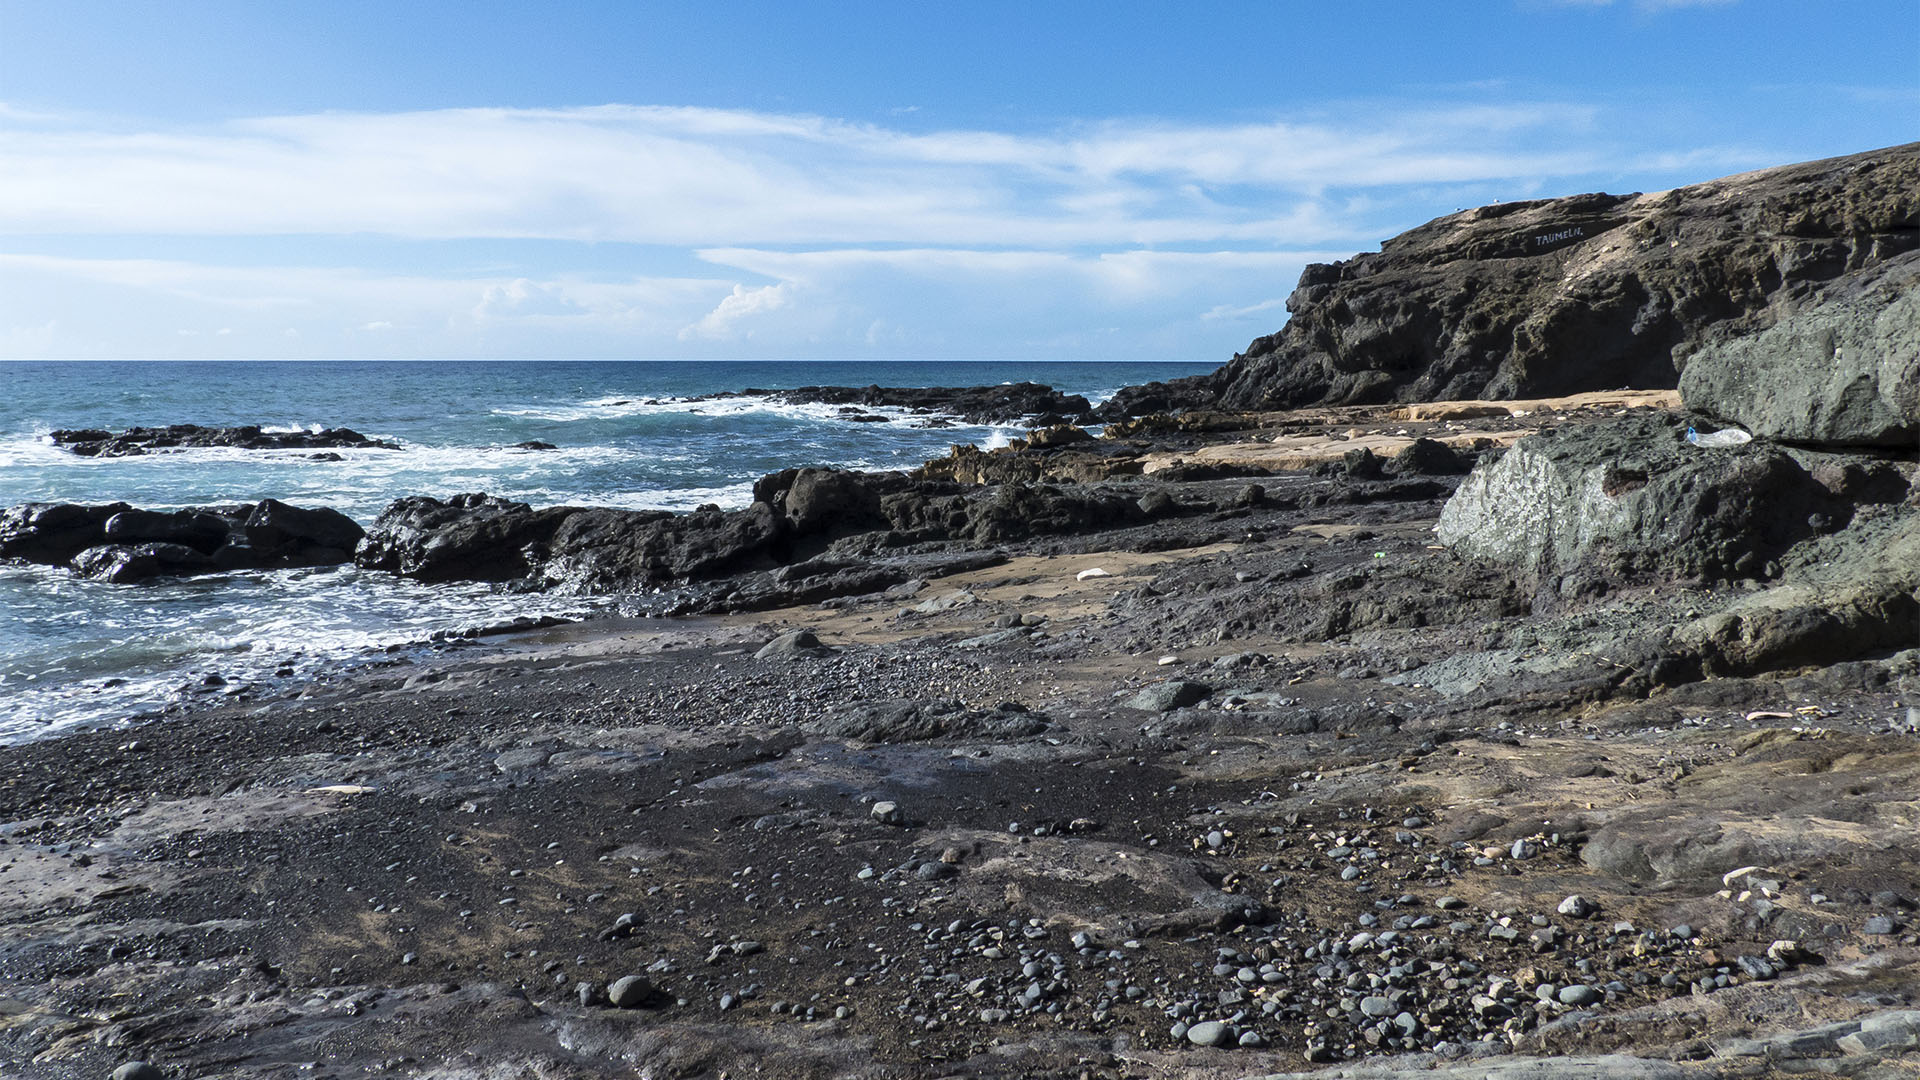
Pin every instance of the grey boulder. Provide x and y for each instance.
(1170, 695)
(1631, 495)
(1841, 370)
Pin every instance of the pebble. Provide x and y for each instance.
(138, 1070)
(798, 644)
(1578, 907)
(1170, 695)
(631, 992)
(1880, 925)
(1210, 1033)
(887, 813)
(1580, 995)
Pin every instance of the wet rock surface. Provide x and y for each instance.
(119, 543)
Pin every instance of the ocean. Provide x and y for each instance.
(79, 652)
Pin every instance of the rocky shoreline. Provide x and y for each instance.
(1465, 738)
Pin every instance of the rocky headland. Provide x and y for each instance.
(1557, 296)
(1428, 693)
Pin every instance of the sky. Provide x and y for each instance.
(983, 180)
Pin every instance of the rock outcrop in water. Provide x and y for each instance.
(1559, 296)
(96, 442)
(1012, 403)
(119, 543)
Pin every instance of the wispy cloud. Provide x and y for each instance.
(765, 234)
(685, 176)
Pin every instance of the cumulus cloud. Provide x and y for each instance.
(738, 306)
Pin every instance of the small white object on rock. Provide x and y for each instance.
(1168, 659)
(1095, 572)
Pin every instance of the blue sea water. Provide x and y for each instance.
(74, 651)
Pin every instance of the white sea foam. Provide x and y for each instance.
(610, 407)
(102, 662)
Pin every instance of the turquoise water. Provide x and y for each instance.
(74, 651)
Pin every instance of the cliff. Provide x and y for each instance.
(1561, 296)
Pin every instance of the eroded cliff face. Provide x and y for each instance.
(1560, 296)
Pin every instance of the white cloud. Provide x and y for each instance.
(328, 312)
(811, 236)
(1230, 313)
(685, 176)
(741, 305)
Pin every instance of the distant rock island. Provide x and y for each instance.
(95, 442)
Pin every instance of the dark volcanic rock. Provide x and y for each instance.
(466, 538)
(93, 442)
(826, 500)
(1851, 594)
(120, 543)
(1631, 495)
(1559, 296)
(613, 550)
(1843, 369)
(204, 532)
(1008, 404)
(123, 564)
(273, 524)
(52, 533)
(918, 721)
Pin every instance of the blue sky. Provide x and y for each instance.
(791, 180)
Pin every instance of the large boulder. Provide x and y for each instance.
(53, 533)
(274, 524)
(121, 543)
(603, 550)
(1851, 594)
(833, 501)
(1630, 496)
(473, 537)
(1842, 369)
(1560, 296)
(123, 564)
(201, 530)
